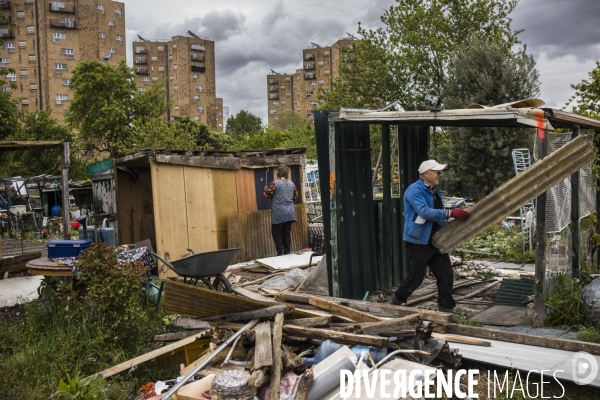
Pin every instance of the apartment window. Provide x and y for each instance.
(6, 89)
(30, 29)
(140, 49)
(287, 79)
(161, 68)
(287, 94)
(154, 58)
(170, 77)
(119, 12)
(308, 112)
(313, 83)
(119, 38)
(320, 63)
(200, 88)
(195, 98)
(272, 112)
(22, 44)
(68, 22)
(176, 107)
(70, 53)
(33, 87)
(170, 58)
(66, 82)
(174, 47)
(201, 108)
(112, 50)
(25, 102)
(60, 98)
(20, 14)
(175, 87)
(56, 5)
(145, 80)
(111, 24)
(23, 73)
(101, 8)
(141, 89)
(282, 102)
(59, 68)
(160, 48)
(102, 36)
(196, 118)
(12, 77)
(326, 72)
(197, 47)
(276, 103)
(31, 58)
(326, 53)
(175, 67)
(10, 47)
(57, 37)
(194, 77)
(309, 93)
(4, 61)
(155, 78)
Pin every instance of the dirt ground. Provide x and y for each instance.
(12, 314)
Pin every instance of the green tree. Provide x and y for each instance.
(407, 59)
(290, 120)
(242, 124)
(484, 72)
(106, 106)
(587, 94)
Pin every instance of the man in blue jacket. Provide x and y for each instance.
(424, 215)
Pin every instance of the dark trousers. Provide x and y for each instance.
(282, 237)
(419, 257)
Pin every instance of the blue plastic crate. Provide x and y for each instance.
(67, 248)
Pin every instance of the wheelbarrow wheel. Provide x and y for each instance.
(221, 284)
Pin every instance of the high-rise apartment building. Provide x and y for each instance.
(47, 41)
(186, 66)
(298, 91)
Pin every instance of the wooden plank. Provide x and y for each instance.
(274, 160)
(190, 323)
(225, 191)
(263, 353)
(173, 336)
(170, 214)
(200, 209)
(232, 163)
(238, 352)
(148, 356)
(247, 315)
(476, 292)
(244, 180)
(312, 322)
(305, 384)
(277, 357)
(391, 325)
(338, 337)
(348, 312)
(522, 338)
(251, 295)
(461, 339)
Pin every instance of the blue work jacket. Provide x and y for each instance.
(418, 202)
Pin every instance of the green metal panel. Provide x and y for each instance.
(99, 166)
(386, 260)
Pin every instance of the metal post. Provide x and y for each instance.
(385, 264)
(539, 307)
(576, 264)
(66, 206)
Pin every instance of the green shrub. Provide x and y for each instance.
(81, 389)
(497, 242)
(566, 303)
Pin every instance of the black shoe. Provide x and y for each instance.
(393, 300)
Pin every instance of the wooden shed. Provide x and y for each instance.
(185, 199)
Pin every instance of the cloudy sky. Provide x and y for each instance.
(254, 36)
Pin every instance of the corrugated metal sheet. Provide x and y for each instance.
(511, 195)
(513, 292)
(252, 233)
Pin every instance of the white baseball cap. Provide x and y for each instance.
(431, 165)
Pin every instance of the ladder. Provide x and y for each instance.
(522, 161)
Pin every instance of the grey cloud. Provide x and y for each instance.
(560, 27)
(372, 17)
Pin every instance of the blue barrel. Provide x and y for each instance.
(55, 211)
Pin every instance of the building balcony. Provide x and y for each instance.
(309, 56)
(141, 51)
(309, 75)
(309, 66)
(196, 68)
(197, 57)
(4, 5)
(273, 97)
(272, 81)
(273, 89)
(67, 9)
(141, 61)
(8, 34)
(197, 47)
(56, 23)
(142, 71)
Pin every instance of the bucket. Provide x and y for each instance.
(107, 234)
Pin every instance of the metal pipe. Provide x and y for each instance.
(168, 395)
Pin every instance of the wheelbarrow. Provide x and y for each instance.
(204, 266)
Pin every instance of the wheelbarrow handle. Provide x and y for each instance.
(168, 264)
(192, 251)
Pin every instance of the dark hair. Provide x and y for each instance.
(283, 171)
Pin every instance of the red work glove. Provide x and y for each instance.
(459, 213)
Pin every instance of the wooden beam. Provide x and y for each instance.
(539, 305)
(391, 325)
(312, 322)
(461, 339)
(199, 161)
(263, 353)
(148, 356)
(192, 323)
(248, 315)
(338, 337)
(274, 160)
(277, 358)
(305, 384)
(522, 338)
(173, 336)
(348, 312)
(264, 278)
(251, 295)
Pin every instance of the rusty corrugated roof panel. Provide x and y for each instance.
(535, 180)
